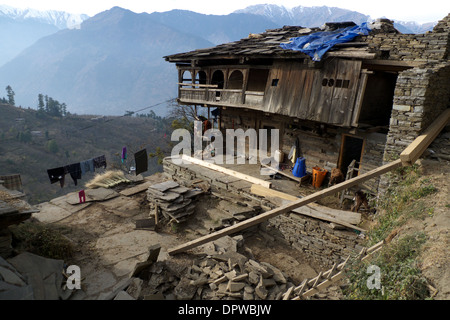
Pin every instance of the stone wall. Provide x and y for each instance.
(422, 48)
(423, 92)
(373, 158)
(314, 237)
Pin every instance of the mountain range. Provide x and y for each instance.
(20, 28)
(112, 62)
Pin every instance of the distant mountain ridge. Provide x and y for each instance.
(316, 16)
(20, 28)
(113, 62)
(304, 16)
(59, 19)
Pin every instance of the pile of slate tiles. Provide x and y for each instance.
(173, 200)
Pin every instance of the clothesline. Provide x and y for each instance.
(78, 169)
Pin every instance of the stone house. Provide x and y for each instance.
(365, 99)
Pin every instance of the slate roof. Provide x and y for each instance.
(266, 44)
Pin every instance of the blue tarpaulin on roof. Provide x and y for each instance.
(317, 44)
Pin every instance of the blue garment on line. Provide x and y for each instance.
(87, 165)
(317, 44)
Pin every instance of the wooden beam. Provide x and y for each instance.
(360, 97)
(351, 54)
(286, 208)
(197, 85)
(421, 143)
(230, 172)
(342, 217)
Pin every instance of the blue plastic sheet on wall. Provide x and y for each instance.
(317, 44)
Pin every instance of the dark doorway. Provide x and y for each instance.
(218, 79)
(351, 149)
(376, 107)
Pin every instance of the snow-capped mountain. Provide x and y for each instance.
(414, 27)
(304, 16)
(59, 19)
(316, 16)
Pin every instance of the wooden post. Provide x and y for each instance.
(286, 208)
(421, 143)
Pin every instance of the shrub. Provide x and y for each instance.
(41, 240)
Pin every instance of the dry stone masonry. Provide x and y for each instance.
(174, 201)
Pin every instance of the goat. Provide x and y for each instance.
(336, 176)
(360, 199)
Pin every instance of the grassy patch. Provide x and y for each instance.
(402, 201)
(42, 240)
(400, 276)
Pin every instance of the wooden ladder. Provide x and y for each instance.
(325, 279)
(350, 174)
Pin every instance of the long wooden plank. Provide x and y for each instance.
(421, 143)
(230, 172)
(313, 209)
(286, 208)
(322, 216)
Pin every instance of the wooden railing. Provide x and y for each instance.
(208, 93)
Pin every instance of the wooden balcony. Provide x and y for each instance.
(201, 94)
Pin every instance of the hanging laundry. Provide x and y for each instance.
(74, 170)
(124, 153)
(141, 160)
(57, 174)
(82, 196)
(99, 162)
(87, 165)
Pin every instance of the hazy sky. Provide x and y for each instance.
(406, 10)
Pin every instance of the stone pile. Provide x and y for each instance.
(218, 274)
(174, 201)
(232, 275)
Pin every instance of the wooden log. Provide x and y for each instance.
(230, 172)
(413, 152)
(286, 208)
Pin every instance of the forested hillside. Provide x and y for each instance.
(33, 141)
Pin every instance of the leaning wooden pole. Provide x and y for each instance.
(286, 208)
(421, 143)
(408, 157)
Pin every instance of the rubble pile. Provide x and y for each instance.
(173, 200)
(232, 275)
(220, 275)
